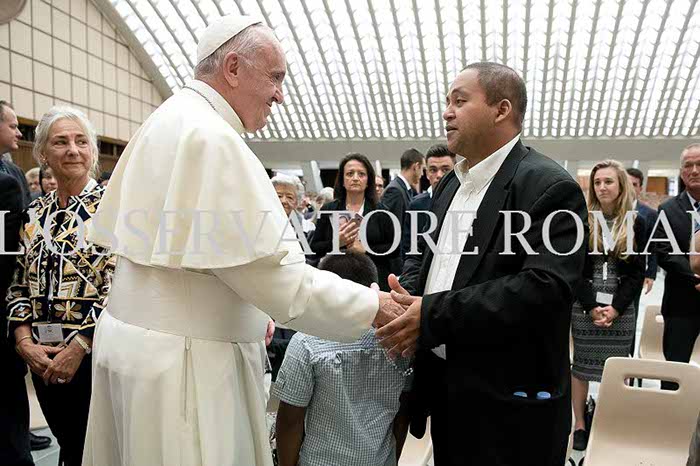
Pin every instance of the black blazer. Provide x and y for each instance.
(18, 175)
(380, 236)
(396, 197)
(681, 299)
(419, 203)
(630, 273)
(505, 322)
(12, 201)
(649, 217)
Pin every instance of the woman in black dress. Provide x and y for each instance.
(355, 193)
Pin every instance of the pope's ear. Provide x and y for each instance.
(231, 68)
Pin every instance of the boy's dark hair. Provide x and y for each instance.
(351, 266)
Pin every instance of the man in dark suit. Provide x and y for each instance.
(400, 191)
(439, 161)
(649, 216)
(14, 415)
(9, 141)
(492, 328)
(681, 301)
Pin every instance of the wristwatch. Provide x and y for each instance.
(84, 345)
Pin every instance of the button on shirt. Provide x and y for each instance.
(351, 394)
(456, 228)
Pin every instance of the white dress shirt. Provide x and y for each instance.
(474, 182)
(696, 225)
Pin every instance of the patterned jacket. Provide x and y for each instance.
(60, 278)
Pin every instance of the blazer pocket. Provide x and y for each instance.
(537, 425)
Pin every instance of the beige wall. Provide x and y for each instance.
(65, 52)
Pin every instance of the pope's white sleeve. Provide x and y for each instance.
(304, 298)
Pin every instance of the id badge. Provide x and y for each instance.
(604, 298)
(50, 333)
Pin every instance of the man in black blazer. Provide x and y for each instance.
(649, 217)
(401, 190)
(14, 415)
(681, 302)
(501, 395)
(9, 141)
(439, 161)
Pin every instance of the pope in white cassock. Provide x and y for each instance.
(178, 353)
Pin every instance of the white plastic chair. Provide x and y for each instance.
(636, 426)
(417, 452)
(651, 341)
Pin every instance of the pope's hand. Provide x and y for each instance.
(388, 308)
(400, 336)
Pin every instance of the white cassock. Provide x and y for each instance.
(178, 352)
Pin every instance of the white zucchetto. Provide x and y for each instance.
(221, 30)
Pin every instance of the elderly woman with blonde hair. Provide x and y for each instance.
(61, 283)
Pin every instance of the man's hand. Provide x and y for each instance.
(648, 285)
(395, 285)
(400, 336)
(65, 364)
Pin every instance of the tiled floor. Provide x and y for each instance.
(48, 457)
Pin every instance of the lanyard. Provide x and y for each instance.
(605, 270)
(51, 264)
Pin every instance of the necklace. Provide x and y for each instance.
(201, 95)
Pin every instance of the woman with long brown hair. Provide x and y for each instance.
(603, 317)
(355, 192)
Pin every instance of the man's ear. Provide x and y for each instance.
(232, 68)
(503, 110)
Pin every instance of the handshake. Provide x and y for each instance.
(398, 319)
